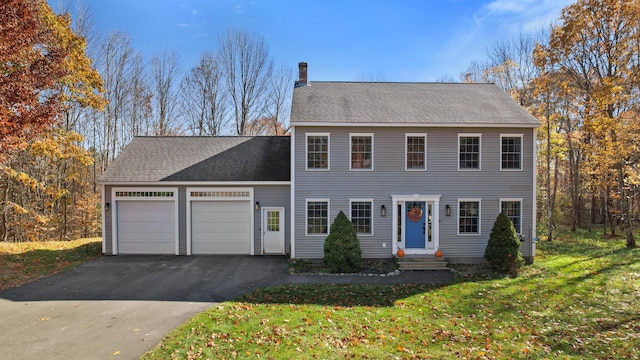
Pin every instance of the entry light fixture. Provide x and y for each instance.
(107, 206)
(257, 205)
(448, 208)
(383, 211)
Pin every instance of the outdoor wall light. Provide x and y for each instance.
(257, 205)
(107, 206)
(383, 211)
(448, 209)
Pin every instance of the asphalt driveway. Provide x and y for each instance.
(120, 307)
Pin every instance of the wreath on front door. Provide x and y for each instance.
(415, 214)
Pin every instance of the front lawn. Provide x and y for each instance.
(28, 261)
(581, 299)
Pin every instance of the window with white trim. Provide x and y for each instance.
(513, 209)
(511, 152)
(469, 216)
(361, 151)
(317, 151)
(317, 217)
(416, 151)
(361, 216)
(469, 151)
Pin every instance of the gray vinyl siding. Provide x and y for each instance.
(182, 220)
(272, 196)
(441, 177)
(108, 222)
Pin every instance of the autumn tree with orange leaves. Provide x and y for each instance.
(44, 71)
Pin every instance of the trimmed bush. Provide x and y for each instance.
(503, 249)
(342, 252)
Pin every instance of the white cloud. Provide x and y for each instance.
(196, 12)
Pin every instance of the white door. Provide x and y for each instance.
(273, 230)
(221, 227)
(146, 227)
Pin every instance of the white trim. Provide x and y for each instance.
(422, 125)
(292, 194)
(406, 145)
(306, 215)
(479, 136)
(521, 201)
(193, 183)
(263, 224)
(190, 199)
(114, 210)
(351, 136)
(479, 201)
(521, 136)
(435, 220)
(306, 149)
(534, 199)
(351, 201)
(103, 220)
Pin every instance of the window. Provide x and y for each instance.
(317, 217)
(469, 151)
(361, 216)
(511, 152)
(469, 216)
(317, 151)
(513, 209)
(416, 151)
(273, 221)
(361, 152)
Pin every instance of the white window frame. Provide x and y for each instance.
(351, 136)
(306, 151)
(406, 151)
(479, 136)
(306, 216)
(479, 201)
(521, 136)
(351, 201)
(520, 200)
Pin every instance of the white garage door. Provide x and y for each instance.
(146, 227)
(221, 227)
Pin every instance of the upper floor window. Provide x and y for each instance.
(361, 216)
(317, 151)
(361, 151)
(416, 146)
(469, 216)
(513, 209)
(511, 152)
(469, 151)
(317, 217)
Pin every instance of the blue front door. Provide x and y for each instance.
(415, 225)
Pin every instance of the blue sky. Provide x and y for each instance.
(341, 40)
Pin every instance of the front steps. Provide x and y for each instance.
(421, 263)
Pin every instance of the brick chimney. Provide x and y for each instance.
(302, 74)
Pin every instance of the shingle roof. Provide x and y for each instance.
(431, 104)
(183, 159)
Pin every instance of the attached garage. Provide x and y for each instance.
(146, 221)
(221, 221)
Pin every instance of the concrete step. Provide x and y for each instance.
(422, 263)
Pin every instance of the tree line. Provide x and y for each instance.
(581, 79)
(73, 97)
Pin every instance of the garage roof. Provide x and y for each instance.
(185, 159)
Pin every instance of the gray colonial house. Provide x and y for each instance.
(417, 166)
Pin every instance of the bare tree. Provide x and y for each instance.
(165, 70)
(279, 99)
(203, 99)
(248, 70)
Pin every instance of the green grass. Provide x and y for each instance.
(580, 300)
(28, 261)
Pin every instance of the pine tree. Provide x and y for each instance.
(503, 249)
(342, 251)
